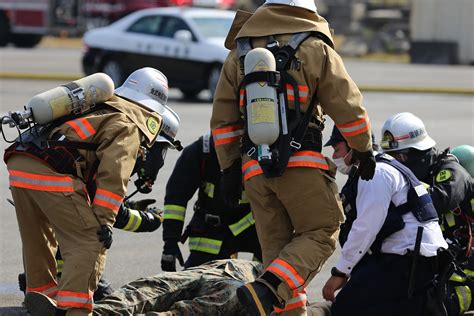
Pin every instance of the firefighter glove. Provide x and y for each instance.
(140, 205)
(171, 252)
(105, 235)
(231, 184)
(366, 161)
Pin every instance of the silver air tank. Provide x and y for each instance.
(74, 97)
(262, 103)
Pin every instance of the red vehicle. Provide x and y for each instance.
(25, 22)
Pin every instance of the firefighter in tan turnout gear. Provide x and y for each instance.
(266, 122)
(73, 202)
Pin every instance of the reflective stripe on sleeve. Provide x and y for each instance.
(108, 200)
(228, 134)
(250, 169)
(354, 128)
(241, 97)
(212, 246)
(134, 221)
(242, 225)
(40, 182)
(464, 296)
(74, 299)
(82, 128)
(287, 273)
(176, 212)
(50, 289)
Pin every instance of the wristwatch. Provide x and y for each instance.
(337, 273)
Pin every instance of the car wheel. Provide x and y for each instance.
(114, 70)
(213, 78)
(190, 94)
(26, 40)
(4, 30)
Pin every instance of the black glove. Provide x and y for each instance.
(231, 184)
(140, 205)
(105, 235)
(366, 163)
(143, 186)
(171, 252)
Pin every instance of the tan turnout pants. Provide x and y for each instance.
(53, 209)
(297, 217)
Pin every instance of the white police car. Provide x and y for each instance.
(186, 44)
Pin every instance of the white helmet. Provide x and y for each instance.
(403, 131)
(305, 4)
(146, 86)
(149, 87)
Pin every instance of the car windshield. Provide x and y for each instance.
(216, 27)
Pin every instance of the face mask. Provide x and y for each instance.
(341, 165)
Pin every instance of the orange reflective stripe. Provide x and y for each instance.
(38, 182)
(250, 169)
(286, 272)
(241, 97)
(50, 289)
(228, 134)
(354, 128)
(302, 92)
(82, 127)
(307, 158)
(108, 199)
(295, 302)
(74, 299)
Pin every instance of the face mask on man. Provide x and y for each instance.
(341, 165)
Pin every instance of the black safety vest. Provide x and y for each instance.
(421, 206)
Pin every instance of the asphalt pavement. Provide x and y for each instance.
(448, 117)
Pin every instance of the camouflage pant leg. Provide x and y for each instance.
(204, 290)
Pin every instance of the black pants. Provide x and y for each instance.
(246, 241)
(379, 286)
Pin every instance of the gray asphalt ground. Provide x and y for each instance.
(449, 119)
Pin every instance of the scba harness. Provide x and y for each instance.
(418, 202)
(294, 134)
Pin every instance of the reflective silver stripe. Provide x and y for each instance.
(83, 128)
(287, 273)
(252, 168)
(242, 224)
(352, 128)
(107, 199)
(238, 132)
(73, 299)
(308, 158)
(134, 221)
(42, 182)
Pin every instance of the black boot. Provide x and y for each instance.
(22, 282)
(103, 289)
(39, 304)
(257, 298)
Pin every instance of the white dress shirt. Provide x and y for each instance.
(372, 202)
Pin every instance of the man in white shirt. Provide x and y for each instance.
(378, 240)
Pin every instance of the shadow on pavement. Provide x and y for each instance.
(13, 311)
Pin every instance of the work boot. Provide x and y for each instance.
(104, 288)
(39, 304)
(257, 298)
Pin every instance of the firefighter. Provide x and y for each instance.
(216, 230)
(297, 209)
(452, 190)
(52, 196)
(379, 235)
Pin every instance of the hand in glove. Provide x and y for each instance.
(231, 184)
(366, 161)
(105, 235)
(140, 205)
(171, 252)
